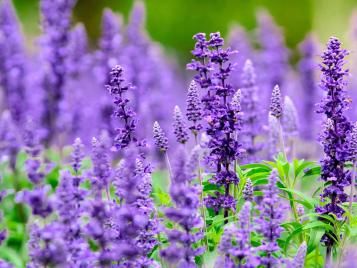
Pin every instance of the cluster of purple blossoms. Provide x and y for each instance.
(307, 70)
(117, 88)
(235, 243)
(251, 118)
(182, 250)
(56, 22)
(335, 136)
(13, 61)
(221, 116)
(271, 213)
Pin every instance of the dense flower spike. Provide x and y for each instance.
(353, 143)
(276, 107)
(160, 138)
(335, 137)
(117, 88)
(248, 191)
(307, 70)
(251, 117)
(182, 248)
(193, 108)
(213, 68)
(179, 125)
(235, 244)
(271, 216)
(290, 122)
(299, 259)
(12, 66)
(274, 136)
(274, 56)
(77, 155)
(56, 21)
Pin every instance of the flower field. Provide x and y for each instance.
(114, 155)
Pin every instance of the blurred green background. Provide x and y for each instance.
(173, 22)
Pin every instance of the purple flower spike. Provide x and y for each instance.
(290, 118)
(122, 110)
(335, 137)
(180, 129)
(269, 220)
(12, 62)
(248, 190)
(160, 138)
(276, 108)
(193, 108)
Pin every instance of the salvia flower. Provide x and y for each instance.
(353, 143)
(182, 250)
(307, 70)
(248, 190)
(179, 125)
(213, 67)
(122, 110)
(160, 138)
(77, 155)
(56, 21)
(274, 136)
(235, 243)
(276, 107)
(335, 137)
(12, 58)
(268, 222)
(290, 122)
(193, 108)
(251, 117)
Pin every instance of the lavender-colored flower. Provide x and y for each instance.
(160, 138)
(186, 214)
(3, 235)
(248, 190)
(290, 118)
(299, 259)
(251, 117)
(47, 246)
(179, 125)
(193, 108)
(117, 88)
(235, 243)
(77, 155)
(12, 66)
(269, 220)
(353, 143)
(213, 71)
(335, 137)
(33, 149)
(38, 200)
(274, 136)
(101, 166)
(274, 56)
(56, 21)
(307, 70)
(10, 140)
(276, 107)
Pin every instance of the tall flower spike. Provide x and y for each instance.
(179, 125)
(335, 138)
(274, 136)
(193, 108)
(248, 191)
(235, 243)
(56, 22)
(12, 62)
(160, 138)
(299, 259)
(251, 117)
(276, 108)
(307, 70)
(122, 110)
(269, 220)
(290, 118)
(77, 155)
